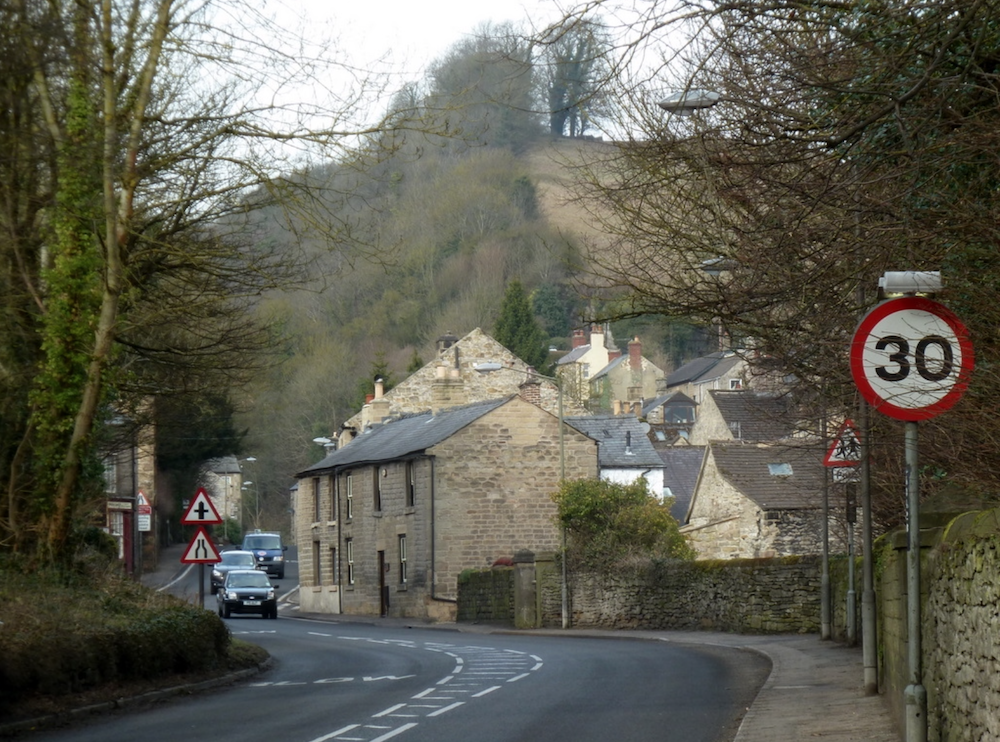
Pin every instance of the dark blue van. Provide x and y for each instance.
(268, 551)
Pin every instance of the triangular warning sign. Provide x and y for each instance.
(201, 550)
(201, 511)
(845, 450)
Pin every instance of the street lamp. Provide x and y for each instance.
(489, 367)
(256, 497)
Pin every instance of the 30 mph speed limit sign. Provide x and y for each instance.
(911, 358)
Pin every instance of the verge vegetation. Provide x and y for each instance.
(74, 639)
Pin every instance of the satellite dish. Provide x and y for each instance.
(646, 428)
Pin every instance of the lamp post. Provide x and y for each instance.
(489, 367)
(247, 484)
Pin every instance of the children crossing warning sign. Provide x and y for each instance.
(846, 447)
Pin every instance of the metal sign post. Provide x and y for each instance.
(911, 359)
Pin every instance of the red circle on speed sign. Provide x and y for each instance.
(911, 358)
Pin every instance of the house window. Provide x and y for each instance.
(377, 489)
(349, 549)
(110, 474)
(316, 498)
(402, 559)
(331, 482)
(779, 470)
(349, 479)
(333, 565)
(411, 484)
(585, 368)
(317, 567)
(736, 383)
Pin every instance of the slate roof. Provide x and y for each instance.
(707, 367)
(749, 469)
(223, 465)
(403, 436)
(677, 399)
(681, 465)
(610, 433)
(755, 417)
(574, 355)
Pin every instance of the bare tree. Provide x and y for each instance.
(845, 142)
(147, 135)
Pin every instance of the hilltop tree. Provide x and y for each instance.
(575, 60)
(517, 330)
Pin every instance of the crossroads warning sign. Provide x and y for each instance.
(201, 511)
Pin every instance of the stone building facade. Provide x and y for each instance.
(388, 522)
(762, 500)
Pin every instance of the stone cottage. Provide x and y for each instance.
(386, 523)
(762, 500)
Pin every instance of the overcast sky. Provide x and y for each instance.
(416, 33)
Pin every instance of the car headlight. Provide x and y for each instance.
(270, 594)
(230, 595)
(279, 558)
(217, 574)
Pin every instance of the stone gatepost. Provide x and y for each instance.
(525, 598)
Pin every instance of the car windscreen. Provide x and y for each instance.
(235, 560)
(262, 542)
(249, 580)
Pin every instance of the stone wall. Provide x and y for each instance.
(486, 596)
(960, 627)
(745, 596)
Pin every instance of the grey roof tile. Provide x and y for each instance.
(610, 432)
(401, 437)
(756, 417)
(681, 466)
(775, 477)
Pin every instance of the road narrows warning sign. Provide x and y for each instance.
(201, 550)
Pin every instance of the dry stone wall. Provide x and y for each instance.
(960, 619)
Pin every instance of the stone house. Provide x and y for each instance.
(721, 370)
(386, 523)
(762, 500)
(624, 452)
(456, 377)
(223, 480)
(589, 354)
(626, 381)
(743, 415)
(131, 486)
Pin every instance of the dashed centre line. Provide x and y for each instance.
(475, 675)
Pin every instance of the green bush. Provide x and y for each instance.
(607, 523)
(65, 634)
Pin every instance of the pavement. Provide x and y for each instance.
(815, 690)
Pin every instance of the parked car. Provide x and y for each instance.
(247, 591)
(268, 549)
(233, 559)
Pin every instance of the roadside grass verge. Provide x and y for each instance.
(76, 638)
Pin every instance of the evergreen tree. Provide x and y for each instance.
(517, 330)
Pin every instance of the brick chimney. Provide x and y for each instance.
(579, 338)
(377, 406)
(635, 354)
(447, 389)
(531, 391)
